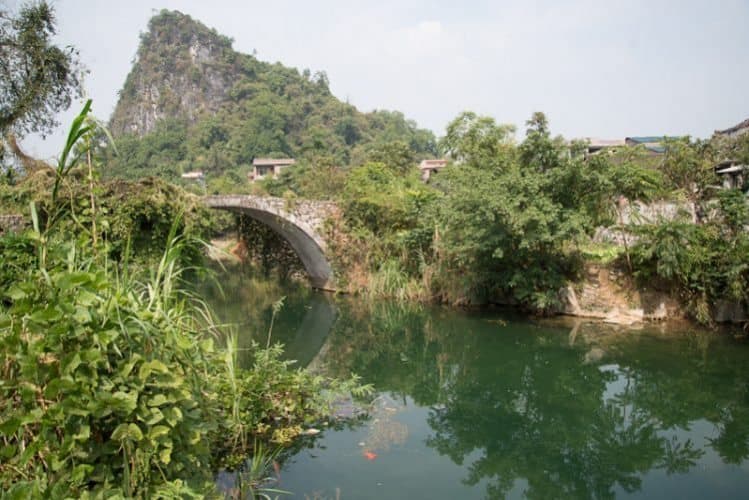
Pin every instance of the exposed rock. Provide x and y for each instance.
(182, 70)
(610, 296)
(11, 223)
(594, 355)
(727, 311)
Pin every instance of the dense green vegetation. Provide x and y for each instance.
(504, 221)
(513, 222)
(113, 381)
(218, 109)
(708, 263)
(37, 78)
(508, 221)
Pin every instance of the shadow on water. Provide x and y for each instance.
(244, 303)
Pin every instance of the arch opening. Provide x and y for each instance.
(310, 253)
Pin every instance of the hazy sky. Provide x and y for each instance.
(601, 68)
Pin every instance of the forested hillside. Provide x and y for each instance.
(191, 102)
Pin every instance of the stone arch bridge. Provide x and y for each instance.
(300, 222)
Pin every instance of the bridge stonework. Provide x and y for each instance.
(300, 222)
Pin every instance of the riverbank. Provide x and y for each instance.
(606, 292)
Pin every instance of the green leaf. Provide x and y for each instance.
(71, 363)
(158, 400)
(158, 431)
(173, 415)
(8, 452)
(16, 293)
(10, 426)
(127, 367)
(47, 315)
(127, 431)
(158, 366)
(124, 401)
(84, 433)
(81, 472)
(156, 417)
(165, 455)
(86, 298)
(67, 281)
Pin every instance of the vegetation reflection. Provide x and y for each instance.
(574, 415)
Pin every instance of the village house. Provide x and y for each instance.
(595, 145)
(196, 175)
(429, 167)
(652, 144)
(733, 174)
(263, 167)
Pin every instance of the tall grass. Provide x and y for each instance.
(110, 383)
(391, 281)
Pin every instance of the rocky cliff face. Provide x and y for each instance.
(182, 69)
(191, 102)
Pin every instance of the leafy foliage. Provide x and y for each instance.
(688, 166)
(706, 263)
(217, 110)
(37, 78)
(512, 215)
(110, 383)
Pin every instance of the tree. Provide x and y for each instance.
(395, 154)
(539, 151)
(37, 78)
(477, 140)
(688, 167)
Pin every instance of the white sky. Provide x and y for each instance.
(601, 68)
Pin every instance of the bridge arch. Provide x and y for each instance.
(298, 222)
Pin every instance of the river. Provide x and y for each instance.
(495, 405)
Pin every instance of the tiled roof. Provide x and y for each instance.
(646, 139)
(193, 175)
(269, 162)
(735, 128)
(430, 164)
(604, 143)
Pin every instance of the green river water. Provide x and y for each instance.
(496, 405)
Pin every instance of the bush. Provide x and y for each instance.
(102, 383)
(109, 381)
(705, 263)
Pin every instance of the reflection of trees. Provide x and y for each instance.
(521, 404)
(517, 402)
(732, 444)
(243, 303)
(540, 415)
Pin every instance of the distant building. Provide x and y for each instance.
(596, 145)
(263, 167)
(736, 130)
(653, 144)
(429, 167)
(733, 175)
(196, 175)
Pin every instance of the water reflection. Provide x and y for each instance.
(581, 413)
(521, 408)
(244, 304)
